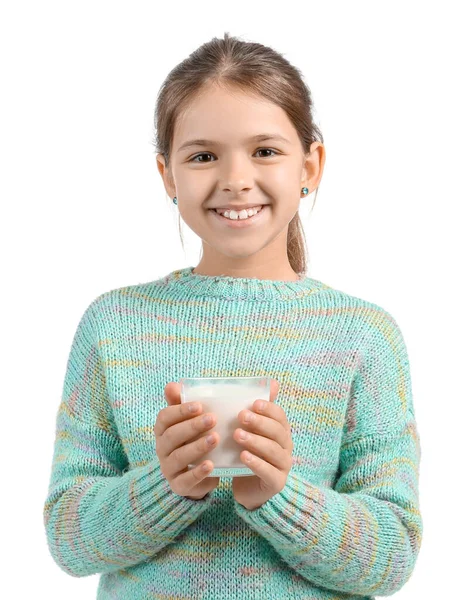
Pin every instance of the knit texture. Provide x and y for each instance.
(347, 523)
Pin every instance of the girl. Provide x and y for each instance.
(332, 508)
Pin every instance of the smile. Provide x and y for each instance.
(241, 222)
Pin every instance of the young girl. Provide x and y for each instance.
(332, 508)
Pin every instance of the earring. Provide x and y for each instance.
(175, 200)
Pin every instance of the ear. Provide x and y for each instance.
(313, 166)
(166, 175)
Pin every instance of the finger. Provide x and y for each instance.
(173, 414)
(172, 392)
(266, 427)
(267, 449)
(182, 433)
(186, 482)
(271, 410)
(183, 455)
(274, 388)
(270, 475)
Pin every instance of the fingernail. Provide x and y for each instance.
(248, 417)
(193, 408)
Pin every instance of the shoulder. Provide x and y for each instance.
(367, 315)
(372, 328)
(118, 299)
(381, 341)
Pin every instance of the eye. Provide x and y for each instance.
(275, 153)
(198, 155)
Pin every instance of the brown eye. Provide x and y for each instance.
(198, 155)
(269, 150)
(274, 153)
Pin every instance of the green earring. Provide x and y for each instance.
(175, 200)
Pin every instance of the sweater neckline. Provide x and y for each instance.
(185, 283)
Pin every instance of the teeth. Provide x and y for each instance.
(242, 214)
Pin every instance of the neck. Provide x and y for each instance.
(265, 272)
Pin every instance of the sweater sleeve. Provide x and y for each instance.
(362, 537)
(99, 516)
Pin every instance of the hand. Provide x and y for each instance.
(175, 431)
(270, 444)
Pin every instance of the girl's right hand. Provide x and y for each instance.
(174, 428)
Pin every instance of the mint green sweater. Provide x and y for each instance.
(347, 524)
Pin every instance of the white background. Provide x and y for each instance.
(84, 211)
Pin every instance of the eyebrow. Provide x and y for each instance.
(261, 137)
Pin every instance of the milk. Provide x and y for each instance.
(225, 397)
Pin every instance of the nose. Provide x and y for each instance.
(237, 175)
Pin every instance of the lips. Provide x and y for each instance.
(238, 208)
(241, 223)
(256, 209)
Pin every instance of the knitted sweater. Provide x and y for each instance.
(347, 523)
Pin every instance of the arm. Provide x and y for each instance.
(363, 536)
(99, 518)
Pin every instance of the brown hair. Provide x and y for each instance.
(251, 68)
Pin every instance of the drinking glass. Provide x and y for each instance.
(225, 397)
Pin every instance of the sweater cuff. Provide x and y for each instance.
(158, 505)
(280, 516)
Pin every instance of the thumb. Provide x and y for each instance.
(274, 387)
(172, 393)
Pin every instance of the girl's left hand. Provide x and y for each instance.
(270, 444)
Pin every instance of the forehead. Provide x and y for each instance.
(230, 116)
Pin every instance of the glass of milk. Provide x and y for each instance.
(225, 397)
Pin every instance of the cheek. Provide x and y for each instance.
(286, 192)
(285, 175)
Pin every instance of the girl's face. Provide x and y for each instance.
(231, 167)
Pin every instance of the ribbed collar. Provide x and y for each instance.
(184, 284)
